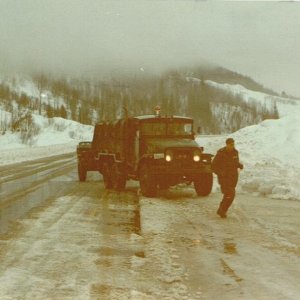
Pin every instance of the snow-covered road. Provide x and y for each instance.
(254, 254)
(97, 244)
(28, 184)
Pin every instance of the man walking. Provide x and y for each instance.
(225, 164)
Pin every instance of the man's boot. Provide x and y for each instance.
(221, 213)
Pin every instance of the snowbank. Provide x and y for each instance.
(59, 130)
(269, 152)
(56, 136)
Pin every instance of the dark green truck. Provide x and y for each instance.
(158, 151)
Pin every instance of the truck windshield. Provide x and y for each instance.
(167, 129)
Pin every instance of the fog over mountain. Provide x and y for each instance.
(92, 37)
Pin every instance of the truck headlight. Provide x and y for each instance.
(169, 155)
(197, 156)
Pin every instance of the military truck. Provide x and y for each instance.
(158, 151)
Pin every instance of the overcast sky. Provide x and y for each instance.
(258, 39)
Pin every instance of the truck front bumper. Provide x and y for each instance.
(180, 169)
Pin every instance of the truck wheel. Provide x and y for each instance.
(107, 176)
(147, 182)
(203, 184)
(118, 177)
(82, 172)
(163, 185)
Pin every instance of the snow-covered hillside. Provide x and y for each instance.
(284, 105)
(22, 85)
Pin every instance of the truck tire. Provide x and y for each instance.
(163, 185)
(82, 172)
(147, 182)
(203, 184)
(118, 177)
(107, 176)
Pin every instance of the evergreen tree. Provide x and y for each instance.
(63, 112)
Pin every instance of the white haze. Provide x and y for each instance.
(106, 38)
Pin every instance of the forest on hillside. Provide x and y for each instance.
(89, 101)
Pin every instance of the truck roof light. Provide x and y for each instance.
(157, 111)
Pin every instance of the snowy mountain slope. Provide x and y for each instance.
(283, 104)
(22, 85)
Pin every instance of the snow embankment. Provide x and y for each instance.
(58, 130)
(269, 152)
(55, 136)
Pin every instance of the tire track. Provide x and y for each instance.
(27, 185)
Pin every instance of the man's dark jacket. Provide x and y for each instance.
(225, 165)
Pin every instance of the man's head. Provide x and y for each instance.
(230, 144)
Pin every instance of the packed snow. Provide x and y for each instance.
(56, 136)
(269, 150)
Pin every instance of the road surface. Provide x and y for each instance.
(62, 239)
